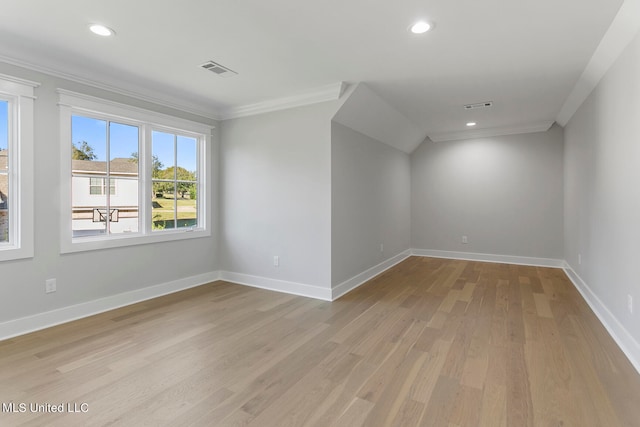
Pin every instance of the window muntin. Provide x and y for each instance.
(97, 210)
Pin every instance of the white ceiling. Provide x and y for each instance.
(525, 56)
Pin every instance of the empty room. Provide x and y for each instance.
(286, 213)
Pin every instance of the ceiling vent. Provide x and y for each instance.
(218, 69)
(479, 105)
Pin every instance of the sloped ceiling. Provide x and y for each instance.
(364, 111)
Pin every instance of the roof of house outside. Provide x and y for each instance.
(118, 166)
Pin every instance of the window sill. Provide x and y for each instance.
(10, 253)
(82, 244)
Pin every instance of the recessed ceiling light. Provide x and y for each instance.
(420, 27)
(101, 30)
(470, 124)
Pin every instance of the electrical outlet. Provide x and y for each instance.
(579, 259)
(50, 285)
(381, 247)
(276, 261)
(630, 303)
(465, 239)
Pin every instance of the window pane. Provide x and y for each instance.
(187, 158)
(89, 140)
(163, 206)
(123, 150)
(187, 152)
(187, 205)
(124, 206)
(123, 185)
(163, 155)
(89, 169)
(89, 207)
(4, 171)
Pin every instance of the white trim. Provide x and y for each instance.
(629, 346)
(147, 120)
(20, 94)
(502, 259)
(81, 101)
(94, 243)
(25, 325)
(623, 29)
(330, 92)
(277, 285)
(20, 81)
(165, 101)
(485, 133)
(359, 279)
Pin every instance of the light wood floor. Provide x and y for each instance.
(430, 342)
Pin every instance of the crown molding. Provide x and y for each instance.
(330, 92)
(20, 81)
(623, 29)
(485, 133)
(73, 99)
(325, 93)
(158, 100)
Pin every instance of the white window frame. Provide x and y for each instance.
(20, 94)
(72, 103)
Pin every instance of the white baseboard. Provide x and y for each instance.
(629, 346)
(503, 259)
(25, 325)
(294, 288)
(357, 280)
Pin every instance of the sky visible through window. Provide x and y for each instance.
(124, 140)
(4, 121)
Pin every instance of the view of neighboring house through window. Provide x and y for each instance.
(4, 171)
(104, 152)
(175, 181)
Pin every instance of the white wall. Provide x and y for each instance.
(370, 202)
(87, 276)
(602, 191)
(276, 195)
(504, 193)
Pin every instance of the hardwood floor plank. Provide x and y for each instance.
(493, 412)
(438, 411)
(355, 414)
(429, 342)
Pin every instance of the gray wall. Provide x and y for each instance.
(602, 188)
(370, 202)
(90, 275)
(504, 193)
(276, 195)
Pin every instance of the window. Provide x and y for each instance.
(16, 168)
(130, 176)
(98, 186)
(4, 171)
